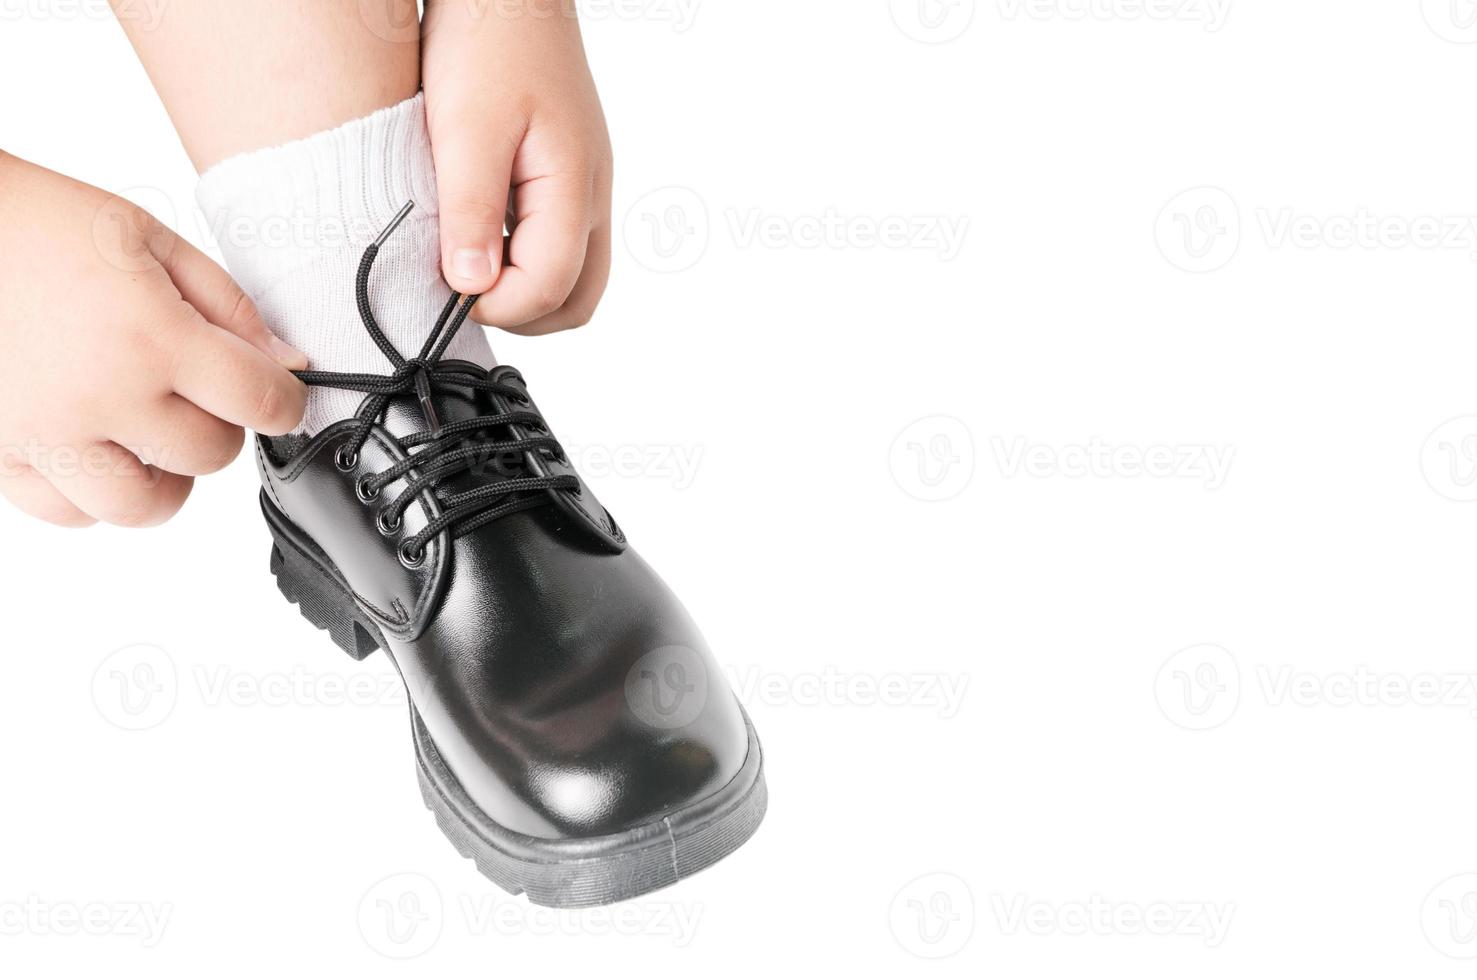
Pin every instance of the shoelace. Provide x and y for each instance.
(466, 444)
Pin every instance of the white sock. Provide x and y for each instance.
(293, 221)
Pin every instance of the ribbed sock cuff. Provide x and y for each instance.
(292, 222)
(276, 207)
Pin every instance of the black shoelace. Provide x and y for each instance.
(463, 445)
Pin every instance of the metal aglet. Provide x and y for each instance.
(428, 406)
(400, 216)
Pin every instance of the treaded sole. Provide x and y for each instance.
(568, 873)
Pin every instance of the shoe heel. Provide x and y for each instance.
(320, 600)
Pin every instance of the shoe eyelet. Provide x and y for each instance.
(361, 488)
(385, 526)
(411, 558)
(345, 460)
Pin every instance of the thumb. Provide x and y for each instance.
(474, 164)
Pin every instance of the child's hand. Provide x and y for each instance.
(510, 103)
(131, 360)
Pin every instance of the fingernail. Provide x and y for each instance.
(287, 355)
(471, 263)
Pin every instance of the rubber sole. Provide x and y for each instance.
(561, 873)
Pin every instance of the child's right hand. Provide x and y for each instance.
(131, 360)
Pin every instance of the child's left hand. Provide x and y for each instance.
(511, 105)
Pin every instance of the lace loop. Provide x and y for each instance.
(464, 445)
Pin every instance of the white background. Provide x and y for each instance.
(1203, 574)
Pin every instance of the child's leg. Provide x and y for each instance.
(335, 104)
(238, 76)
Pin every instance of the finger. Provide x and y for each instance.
(107, 482)
(585, 297)
(546, 252)
(474, 166)
(179, 437)
(33, 493)
(208, 288)
(232, 380)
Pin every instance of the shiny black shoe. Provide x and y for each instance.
(573, 735)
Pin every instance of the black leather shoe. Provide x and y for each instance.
(572, 732)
